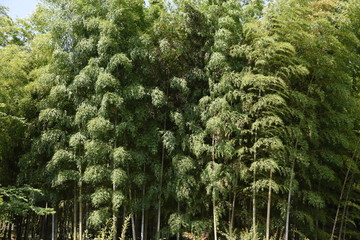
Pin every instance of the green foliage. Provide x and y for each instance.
(183, 115)
(20, 201)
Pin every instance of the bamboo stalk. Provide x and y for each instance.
(268, 210)
(338, 208)
(75, 215)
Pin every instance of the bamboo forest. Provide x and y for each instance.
(180, 119)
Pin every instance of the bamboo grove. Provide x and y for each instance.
(188, 119)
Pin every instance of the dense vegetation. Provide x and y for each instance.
(198, 119)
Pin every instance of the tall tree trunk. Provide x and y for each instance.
(233, 212)
(53, 226)
(133, 227)
(214, 217)
(339, 204)
(75, 215)
(346, 206)
(33, 224)
(132, 218)
(65, 220)
(146, 233)
(268, 210)
(346, 216)
(86, 217)
(44, 224)
(27, 223)
(10, 232)
(80, 209)
(143, 208)
(161, 181)
(213, 191)
(289, 201)
(292, 176)
(18, 226)
(115, 219)
(254, 194)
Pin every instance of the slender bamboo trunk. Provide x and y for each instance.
(10, 232)
(143, 208)
(268, 210)
(229, 214)
(146, 225)
(86, 217)
(254, 193)
(75, 220)
(213, 193)
(65, 221)
(345, 207)
(233, 212)
(132, 219)
(80, 208)
(53, 226)
(115, 219)
(346, 216)
(289, 202)
(214, 218)
(159, 201)
(339, 204)
(160, 191)
(44, 224)
(33, 225)
(133, 227)
(292, 176)
(26, 230)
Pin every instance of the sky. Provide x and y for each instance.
(20, 8)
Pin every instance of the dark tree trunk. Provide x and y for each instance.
(26, 227)
(18, 227)
(10, 232)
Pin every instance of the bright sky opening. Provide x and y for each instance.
(20, 8)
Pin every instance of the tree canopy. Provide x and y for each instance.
(186, 119)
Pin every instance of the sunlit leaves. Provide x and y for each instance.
(106, 83)
(158, 97)
(99, 128)
(65, 176)
(100, 197)
(84, 114)
(118, 199)
(118, 177)
(51, 117)
(120, 156)
(96, 174)
(119, 61)
(77, 141)
(60, 158)
(169, 141)
(179, 83)
(97, 152)
(99, 217)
